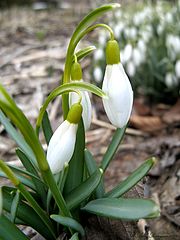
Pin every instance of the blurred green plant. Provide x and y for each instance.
(54, 189)
(149, 38)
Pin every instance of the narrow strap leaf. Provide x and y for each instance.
(132, 179)
(123, 208)
(116, 140)
(84, 52)
(69, 222)
(9, 231)
(74, 237)
(38, 183)
(86, 188)
(14, 206)
(92, 167)
(17, 138)
(21, 178)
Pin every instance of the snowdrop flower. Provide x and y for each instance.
(62, 143)
(171, 80)
(76, 75)
(177, 69)
(116, 85)
(97, 74)
(132, 32)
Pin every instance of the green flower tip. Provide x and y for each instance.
(112, 52)
(76, 71)
(74, 114)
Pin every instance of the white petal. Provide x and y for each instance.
(61, 146)
(116, 85)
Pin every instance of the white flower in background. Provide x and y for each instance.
(102, 39)
(131, 69)
(171, 80)
(97, 72)
(146, 35)
(168, 17)
(160, 28)
(116, 85)
(118, 29)
(132, 33)
(177, 69)
(127, 53)
(173, 46)
(98, 54)
(62, 143)
(118, 13)
(86, 104)
(136, 57)
(141, 46)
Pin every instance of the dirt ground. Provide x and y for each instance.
(33, 47)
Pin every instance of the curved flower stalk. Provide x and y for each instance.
(76, 75)
(62, 143)
(116, 85)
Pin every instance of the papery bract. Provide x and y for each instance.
(116, 85)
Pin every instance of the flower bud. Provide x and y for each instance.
(62, 143)
(76, 75)
(117, 87)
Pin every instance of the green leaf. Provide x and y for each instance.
(132, 179)
(9, 231)
(1, 201)
(84, 52)
(69, 222)
(25, 213)
(8, 106)
(76, 164)
(46, 126)
(22, 178)
(123, 208)
(14, 206)
(74, 237)
(86, 188)
(116, 140)
(92, 167)
(17, 138)
(38, 183)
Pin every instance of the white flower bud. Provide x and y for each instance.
(86, 104)
(136, 57)
(116, 85)
(61, 146)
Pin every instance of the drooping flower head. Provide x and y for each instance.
(76, 75)
(62, 143)
(117, 87)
